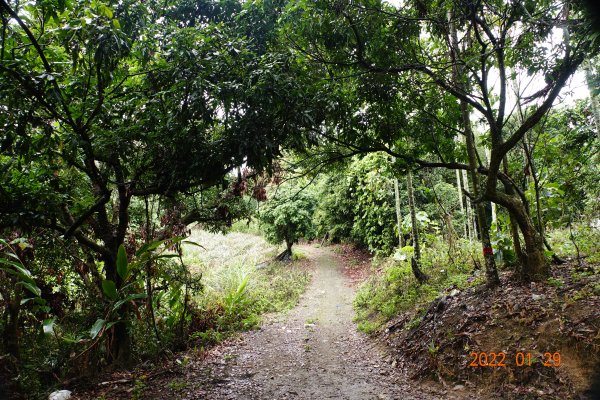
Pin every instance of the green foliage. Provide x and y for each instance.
(287, 215)
(237, 290)
(396, 290)
(587, 238)
(237, 295)
(246, 226)
(334, 215)
(359, 205)
(122, 123)
(373, 194)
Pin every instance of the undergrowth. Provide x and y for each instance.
(239, 285)
(566, 242)
(395, 289)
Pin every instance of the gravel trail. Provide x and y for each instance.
(312, 352)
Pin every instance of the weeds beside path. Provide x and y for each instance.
(313, 352)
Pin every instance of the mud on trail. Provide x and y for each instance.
(312, 352)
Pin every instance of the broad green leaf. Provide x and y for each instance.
(146, 247)
(110, 324)
(32, 288)
(110, 289)
(122, 267)
(127, 299)
(97, 327)
(193, 244)
(48, 325)
(25, 301)
(23, 272)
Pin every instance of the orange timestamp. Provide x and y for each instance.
(521, 359)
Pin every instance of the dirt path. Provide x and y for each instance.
(313, 352)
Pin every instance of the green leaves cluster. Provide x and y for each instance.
(287, 215)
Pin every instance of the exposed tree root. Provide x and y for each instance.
(285, 256)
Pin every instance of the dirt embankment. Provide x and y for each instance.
(545, 336)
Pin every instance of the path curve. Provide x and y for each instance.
(312, 352)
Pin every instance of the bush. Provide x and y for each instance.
(396, 290)
(236, 290)
(287, 216)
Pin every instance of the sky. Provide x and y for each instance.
(575, 89)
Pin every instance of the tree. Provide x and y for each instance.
(287, 217)
(398, 64)
(103, 103)
(414, 262)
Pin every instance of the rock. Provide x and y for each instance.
(60, 395)
(537, 296)
(459, 387)
(454, 292)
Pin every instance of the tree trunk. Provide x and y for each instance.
(414, 262)
(593, 98)
(120, 345)
(460, 201)
(514, 227)
(490, 262)
(398, 211)
(286, 255)
(488, 254)
(535, 265)
(538, 206)
(494, 207)
(413, 215)
(469, 214)
(11, 330)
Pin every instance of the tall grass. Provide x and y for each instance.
(239, 283)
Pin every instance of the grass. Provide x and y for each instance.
(395, 290)
(251, 226)
(240, 284)
(177, 385)
(586, 237)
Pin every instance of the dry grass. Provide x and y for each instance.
(221, 250)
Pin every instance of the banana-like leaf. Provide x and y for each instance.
(147, 247)
(193, 244)
(122, 265)
(127, 299)
(32, 288)
(18, 270)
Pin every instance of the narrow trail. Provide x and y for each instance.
(312, 352)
